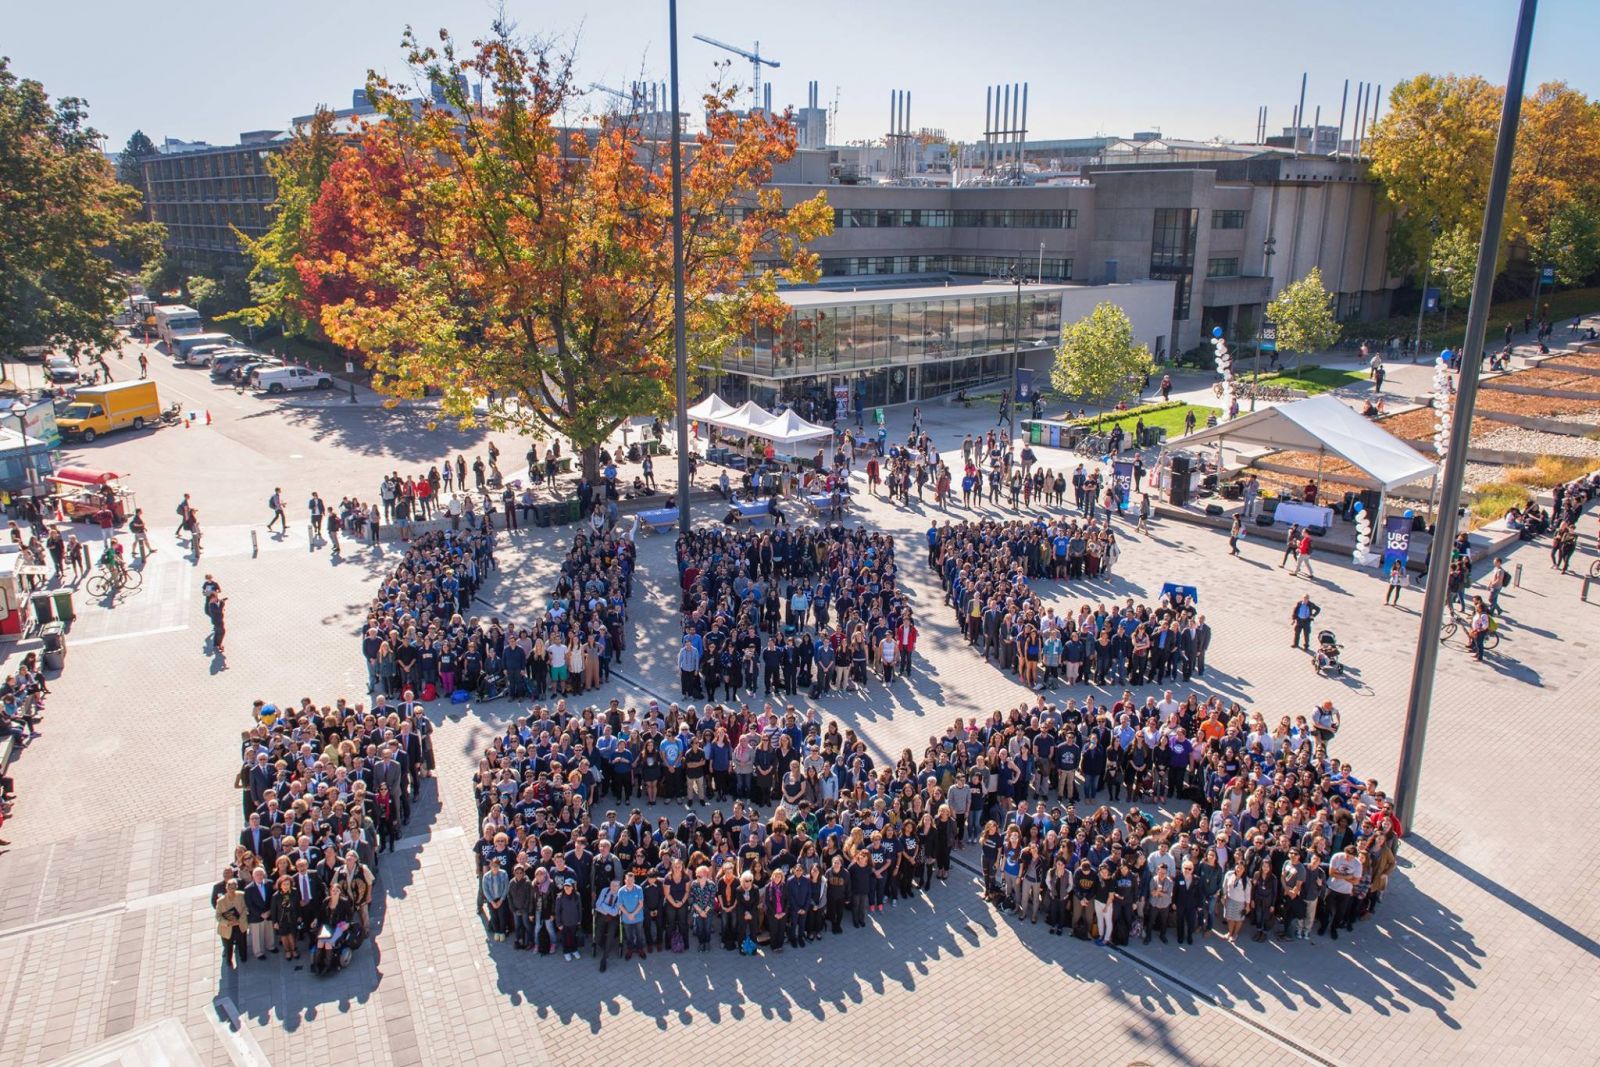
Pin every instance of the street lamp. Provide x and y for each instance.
(1016, 278)
(679, 347)
(1268, 250)
(20, 410)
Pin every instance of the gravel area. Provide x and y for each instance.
(1483, 473)
(1537, 442)
(1587, 418)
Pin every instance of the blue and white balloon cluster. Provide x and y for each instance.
(1363, 555)
(1443, 395)
(1224, 367)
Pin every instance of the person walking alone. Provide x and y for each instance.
(1300, 616)
(1302, 557)
(275, 502)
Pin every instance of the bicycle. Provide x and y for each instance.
(1458, 624)
(112, 579)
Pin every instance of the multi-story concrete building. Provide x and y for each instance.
(1229, 233)
(202, 194)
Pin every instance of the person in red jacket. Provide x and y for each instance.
(905, 635)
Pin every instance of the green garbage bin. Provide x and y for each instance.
(574, 513)
(64, 609)
(1036, 433)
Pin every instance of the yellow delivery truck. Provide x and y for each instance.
(100, 409)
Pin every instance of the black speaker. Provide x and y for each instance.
(1180, 463)
(1263, 520)
(1317, 531)
(1213, 509)
(1178, 492)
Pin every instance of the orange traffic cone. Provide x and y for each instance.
(208, 416)
(186, 424)
(59, 516)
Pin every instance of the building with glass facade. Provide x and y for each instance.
(1202, 224)
(901, 345)
(202, 195)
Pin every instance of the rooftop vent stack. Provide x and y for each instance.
(1344, 99)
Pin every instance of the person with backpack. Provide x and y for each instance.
(275, 505)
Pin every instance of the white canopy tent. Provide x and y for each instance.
(748, 417)
(788, 428)
(1325, 426)
(711, 409)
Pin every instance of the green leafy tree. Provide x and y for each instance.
(277, 294)
(206, 294)
(1453, 263)
(130, 164)
(161, 274)
(1571, 243)
(1303, 312)
(63, 214)
(1098, 359)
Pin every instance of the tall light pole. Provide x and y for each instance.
(679, 348)
(1427, 650)
(1268, 250)
(1016, 278)
(20, 410)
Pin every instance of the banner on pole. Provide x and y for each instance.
(1122, 478)
(1396, 541)
(1024, 391)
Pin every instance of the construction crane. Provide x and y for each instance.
(755, 58)
(618, 93)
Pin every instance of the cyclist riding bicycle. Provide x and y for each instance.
(111, 559)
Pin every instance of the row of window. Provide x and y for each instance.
(1227, 220)
(1054, 270)
(1001, 218)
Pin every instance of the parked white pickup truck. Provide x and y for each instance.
(284, 379)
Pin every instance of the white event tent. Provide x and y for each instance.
(1325, 426)
(785, 428)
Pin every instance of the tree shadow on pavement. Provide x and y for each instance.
(408, 435)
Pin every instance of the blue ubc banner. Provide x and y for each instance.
(1024, 393)
(1396, 540)
(1122, 477)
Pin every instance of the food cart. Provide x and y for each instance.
(88, 495)
(18, 579)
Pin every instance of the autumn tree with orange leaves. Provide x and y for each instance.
(489, 250)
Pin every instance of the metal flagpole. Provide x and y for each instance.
(1427, 651)
(679, 352)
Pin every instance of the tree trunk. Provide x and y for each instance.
(589, 457)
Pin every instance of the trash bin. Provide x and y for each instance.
(43, 607)
(64, 609)
(1035, 433)
(574, 513)
(1055, 436)
(54, 636)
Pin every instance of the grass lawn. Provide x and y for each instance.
(1312, 379)
(1169, 419)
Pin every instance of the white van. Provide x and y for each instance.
(285, 379)
(180, 347)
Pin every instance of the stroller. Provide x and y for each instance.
(1328, 649)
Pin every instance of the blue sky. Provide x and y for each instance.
(208, 70)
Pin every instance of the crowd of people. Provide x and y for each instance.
(786, 610)
(325, 790)
(800, 829)
(1266, 827)
(985, 568)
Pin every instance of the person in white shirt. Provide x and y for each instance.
(1344, 871)
(887, 650)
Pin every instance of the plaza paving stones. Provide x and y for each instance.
(1484, 950)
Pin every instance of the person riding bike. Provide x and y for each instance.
(111, 559)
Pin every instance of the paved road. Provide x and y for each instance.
(1485, 948)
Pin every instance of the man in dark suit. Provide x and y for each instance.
(1186, 647)
(1202, 643)
(258, 839)
(308, 894)
(258, 909)
(389, 772)
(261, 781)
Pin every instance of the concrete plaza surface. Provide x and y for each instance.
(1484, 948)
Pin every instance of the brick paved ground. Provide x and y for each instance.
(1483, 949)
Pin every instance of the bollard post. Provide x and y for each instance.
(1516, 579)
(255, 547)
(1584, 594)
